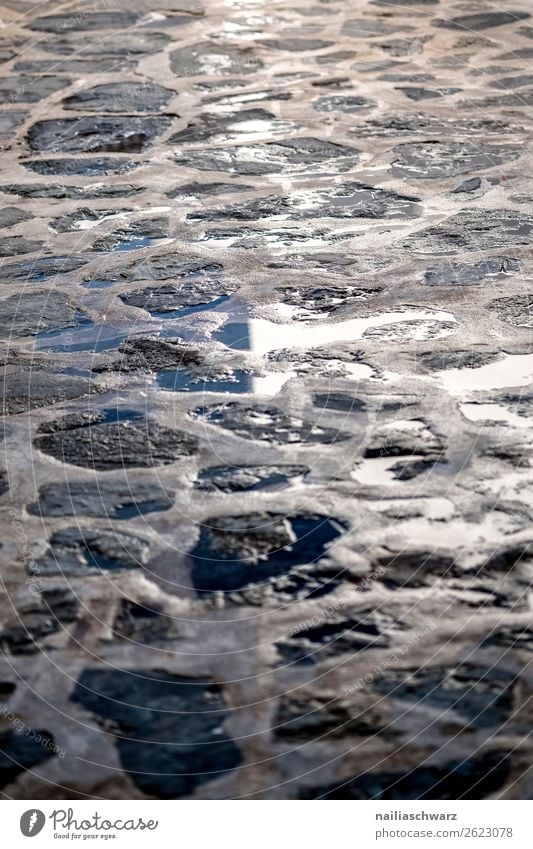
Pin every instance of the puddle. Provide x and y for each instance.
(493, 413)
(237, 383)
(86, 337)
(511, 370)
(185, 311)
(250, 478)
(376, 471)
(244, 551)
(136, 243)
(262, 336)
(182, 380)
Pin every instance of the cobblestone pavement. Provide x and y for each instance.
(266, 335)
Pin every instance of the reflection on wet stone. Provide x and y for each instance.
(266, 337)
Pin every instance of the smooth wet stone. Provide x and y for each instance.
(475, 230)
(114, 499)
(434, 160)
(477, 776)
(519, 637)
(40, 268)
(166, 267)
(513, 82)
(15, 245)
(415, 568)
(91, 135)
(75, 220)
(247, 478)
(343, 103)
(211, 126)
(340, 402)
(267, 424)
(481, 21)
(132, 43)
(515, 309)
(139, 624)
(128, 97)
(367, 28)
(397, 125)
(236, 552)
(325, 299)
(145, 354)
(176, 298)
(86, 22)
(39, 190)
(439, 360)
(296, 45)
(20, 751)
(35, 387)
(416, 93)
(10, 216)
(86, 166)
(472, 184)
(116, 444)
(30, 314)
(461, 274)
(307, 718)
(199, 190)
(346, 200)
(84, 551)
(76, 67)
(28, 637)
(395, 440)
(292, 156)
(10, 122)
(213, 59)
(170, 729)
(138, 234)
(311, 644)
(26, 89)
(478, 695)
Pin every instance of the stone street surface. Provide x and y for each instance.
(265, 322)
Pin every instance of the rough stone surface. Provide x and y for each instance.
(266, 366)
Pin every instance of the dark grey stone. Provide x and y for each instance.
(345, 200)
(474, 776)
(123, 97)
(10, 216)
(40, 268)
(293, 156)
(116, 445)
(170, 729)
(460, 274)
(212, 59)
(84, 551)
(433, 160)
(515, 309)
(481, 21)
(29, 314)
(247, 478)
(20, 751)
(267, 424)
(86, 166)
(15, 245)
(91, 135)
(343, 103)
(35, 387)
(112, 498)
(24, 89)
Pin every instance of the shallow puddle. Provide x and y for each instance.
(511, 370)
